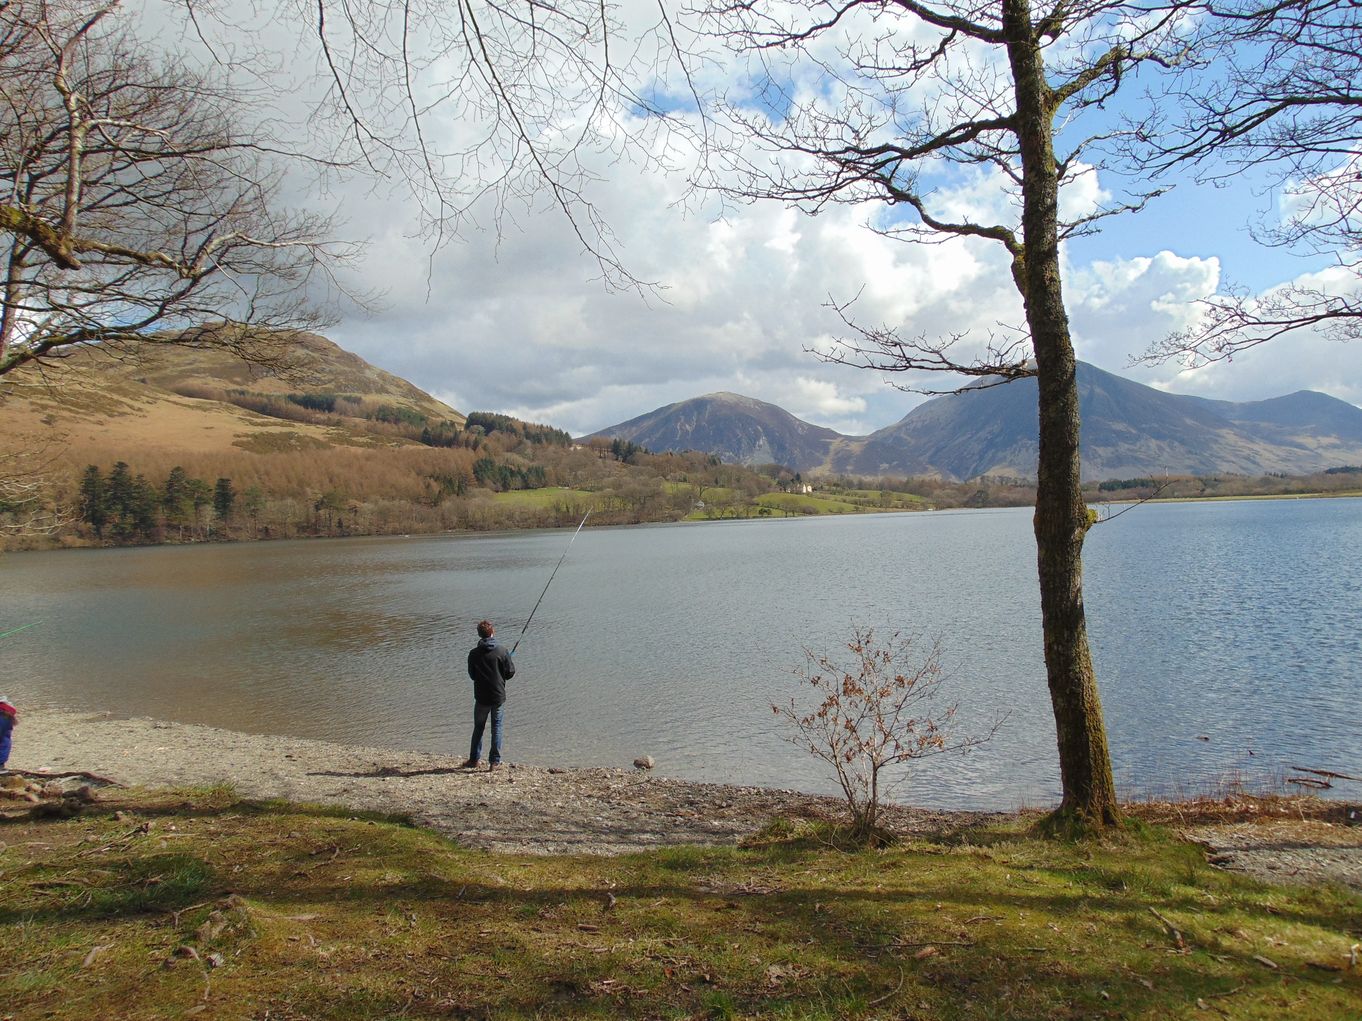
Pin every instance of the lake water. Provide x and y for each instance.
(1226, 637)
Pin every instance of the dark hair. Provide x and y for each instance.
(485, 629)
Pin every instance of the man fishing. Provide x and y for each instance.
(490, 667)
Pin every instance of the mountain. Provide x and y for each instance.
(736, 429)
(1129, 431)
(174, 400)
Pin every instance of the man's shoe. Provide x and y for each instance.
(471, 764)
(494, 767)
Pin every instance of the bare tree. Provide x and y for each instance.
(1276, 91)
(27, 507)
(140, 204)
(146, 190)
(902, 93)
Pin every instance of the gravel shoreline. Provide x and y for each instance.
(520, 809)
(539, 810)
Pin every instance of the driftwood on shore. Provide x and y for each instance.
(1319, 779)
(1328, 774)
(35, 774)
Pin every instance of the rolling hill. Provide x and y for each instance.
(173, 400)
(174, 444)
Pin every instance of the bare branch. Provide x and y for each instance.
(1236, 321)
(139, 196)
(884, 350)
(1278, 90)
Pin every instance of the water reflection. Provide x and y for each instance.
(1224, 635)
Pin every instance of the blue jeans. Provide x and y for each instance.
(480, 714)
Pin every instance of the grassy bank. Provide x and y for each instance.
(197, 904)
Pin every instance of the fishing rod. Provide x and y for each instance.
(6, 634)
(548, 583)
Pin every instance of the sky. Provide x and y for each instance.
(512, 316)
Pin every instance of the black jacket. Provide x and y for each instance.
(491, 667)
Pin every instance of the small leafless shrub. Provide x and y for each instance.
(880, 709)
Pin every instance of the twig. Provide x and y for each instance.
(1329, 773)
(144, 828)
(936, 943)
(1321, 966)
(175, 913)
(1177, 935)
(1310, 781)
(1138, 503)
(894, 992)
(335, 853)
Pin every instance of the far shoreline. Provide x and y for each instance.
(1244, 497)
(60, 546)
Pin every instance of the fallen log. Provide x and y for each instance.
(1310, 781)
(37, 775)
(1329, 773)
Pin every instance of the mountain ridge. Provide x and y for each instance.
(761, 433)
(1129, 430)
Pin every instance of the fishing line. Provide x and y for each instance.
(547, 584)
(6, 634)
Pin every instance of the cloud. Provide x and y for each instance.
(516, 322)
(1082, 193)
(1120, 306)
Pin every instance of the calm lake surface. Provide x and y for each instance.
(1226, 637)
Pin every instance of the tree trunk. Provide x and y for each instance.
(1061, 519)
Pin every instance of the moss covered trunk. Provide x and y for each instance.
(1061, 519)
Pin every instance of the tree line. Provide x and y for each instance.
(393, 490)
(130, 508)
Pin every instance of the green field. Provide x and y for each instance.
(545, 499)
(197, 904)
(721, 502)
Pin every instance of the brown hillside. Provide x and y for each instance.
(318, 366)
(171, 401)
